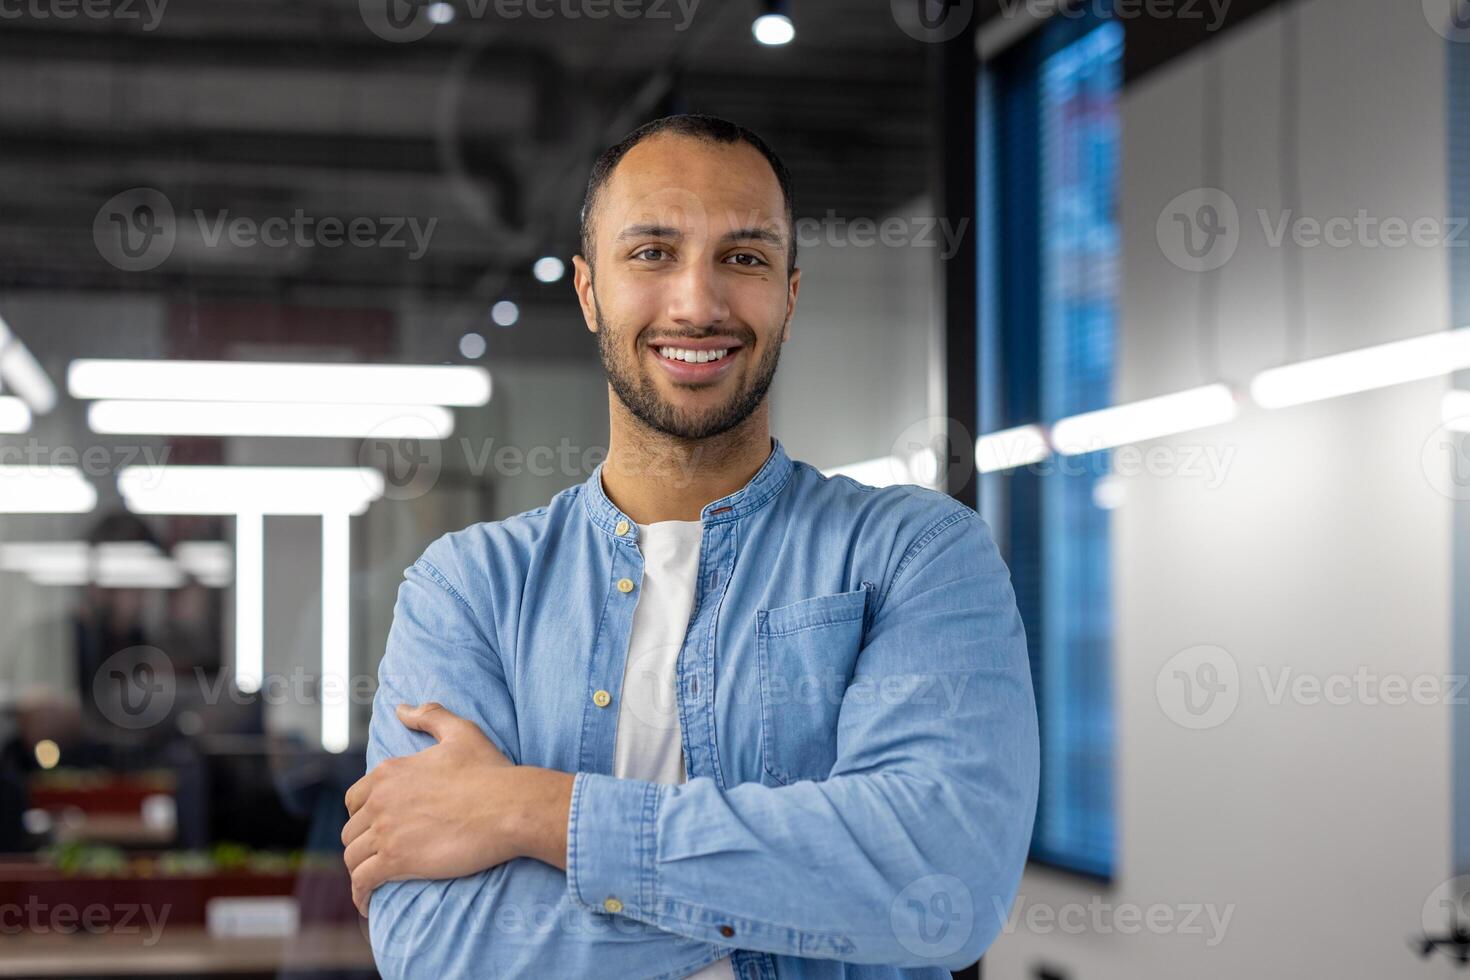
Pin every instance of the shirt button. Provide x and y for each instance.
(625, 585)
(727, 931)
(612, 905)
(622, 528)
(602, 699)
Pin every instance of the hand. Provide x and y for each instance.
(444, 812)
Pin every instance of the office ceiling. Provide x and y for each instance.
(260, 108)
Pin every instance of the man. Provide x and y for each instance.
(709, 713)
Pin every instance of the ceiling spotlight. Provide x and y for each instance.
(549, 268)
(472, 346)
(440, 13)
(773, 27)
(505, 313)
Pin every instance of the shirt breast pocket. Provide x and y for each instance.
(806, 652)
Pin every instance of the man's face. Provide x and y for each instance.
(691, 249)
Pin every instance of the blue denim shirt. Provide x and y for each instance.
(858, 725)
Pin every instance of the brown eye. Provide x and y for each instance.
(755, 260)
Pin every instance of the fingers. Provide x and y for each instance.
(357, 793)
(365, 880)
(363, 846)
(432, 718)
(355, 827)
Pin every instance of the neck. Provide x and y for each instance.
(652, 476)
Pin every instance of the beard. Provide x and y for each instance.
(636, 390)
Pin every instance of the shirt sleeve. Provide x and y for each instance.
(910, 852)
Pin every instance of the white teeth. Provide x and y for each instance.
(692, 356)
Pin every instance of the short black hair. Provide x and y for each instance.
(698, 126)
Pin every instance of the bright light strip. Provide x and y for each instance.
(1011, 448)
(15, 415)
(1152, 418)
(1455, 411)
(111, 565)
(24, 374)
(179, 418)
(45, 490)
(889, 471)
(249, 601)
(269, 381)
(211, 562)
(1363, 370)
(336, 631)
(305, 490)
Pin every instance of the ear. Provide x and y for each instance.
(582, 283)
(793, 286)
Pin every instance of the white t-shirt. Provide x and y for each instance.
(648, 744)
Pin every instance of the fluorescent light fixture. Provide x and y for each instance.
(309, 490)
(267, 381)
(1455, 410)
(891, 471)
(1011, 448)
(1152, 418)
(45, 490)
(211, 562)
(549, 268)
(111, 564)
(24, 375)
(249, 601)
(1363, 370)
(308, 419)
(15, 415)
(336, 630)
(773, 29)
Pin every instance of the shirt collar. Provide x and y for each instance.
(766, 483)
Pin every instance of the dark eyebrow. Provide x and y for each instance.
(648, 231)
(760, 233)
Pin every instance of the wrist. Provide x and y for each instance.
(537, 826)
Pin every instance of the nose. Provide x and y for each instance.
(695, 298)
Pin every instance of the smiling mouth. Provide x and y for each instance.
(690, 356)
